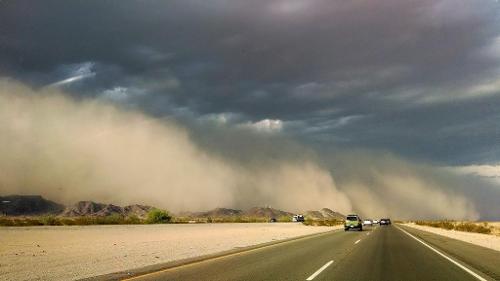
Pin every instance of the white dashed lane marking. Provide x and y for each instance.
(319, 271)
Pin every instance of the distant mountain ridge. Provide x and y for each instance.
(35, 205)
(261, 212)
(217, 212)
(28, 205)
(90, 208)
(267, 212)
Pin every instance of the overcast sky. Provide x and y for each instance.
(419, 79)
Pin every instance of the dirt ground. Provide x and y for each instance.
(491, 241)
(74, 252)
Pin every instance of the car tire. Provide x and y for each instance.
(360, 228)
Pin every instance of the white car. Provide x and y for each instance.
(298, 218)
(375, 221)
(367, 222)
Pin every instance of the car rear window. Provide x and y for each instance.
(352, 218)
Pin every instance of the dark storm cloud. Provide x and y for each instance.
(416, 77)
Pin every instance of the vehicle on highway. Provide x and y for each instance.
(298, 218)
(385, 221)
(368, 222)
(353, 222)
(375, 221)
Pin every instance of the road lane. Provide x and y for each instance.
(392, 255)
(295, 260)
(378, 253)
(453, 261)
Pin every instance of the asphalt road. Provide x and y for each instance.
(378, 253)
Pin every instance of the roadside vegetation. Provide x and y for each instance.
(459, 226)
(312, 222)
(229, 219)
(154, 216)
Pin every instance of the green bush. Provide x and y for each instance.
(158, 216)
(285, 219)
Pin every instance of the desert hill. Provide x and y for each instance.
(35, 205)
(217, 212)
(28, 205)
(324, 214)
(90, 208)
(266, 212)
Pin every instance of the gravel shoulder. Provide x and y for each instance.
(75, 252)
(484, 240)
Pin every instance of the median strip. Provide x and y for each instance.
(478, 277)
(319, 271)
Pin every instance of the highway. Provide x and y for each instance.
(377, 253)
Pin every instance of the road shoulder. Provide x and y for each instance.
(479, 239)
(480, 258)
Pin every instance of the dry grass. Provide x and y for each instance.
(53, 220)
(153, 216)
(228, 219)
(312, 222)
(477, 227)
(118, 219)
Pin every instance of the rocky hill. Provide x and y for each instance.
(217, 212)
(28, 205)
(324, 214)
(266, 212)
(256, 212)
(90, 208)
(21, 205)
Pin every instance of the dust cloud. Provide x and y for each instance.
(69, 150)
(381, 184)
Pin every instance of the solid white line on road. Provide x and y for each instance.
(357, 241)
(319, 271)
(445, 256)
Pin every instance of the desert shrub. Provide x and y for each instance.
(6, 222)
(463, 226)
(133, 220)
(446, 224)
(158, 216)
(50, 220)
(84, 220)
(285, 219)
(472, 227)
(308, 221)
(67, 221)
(333, 222)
